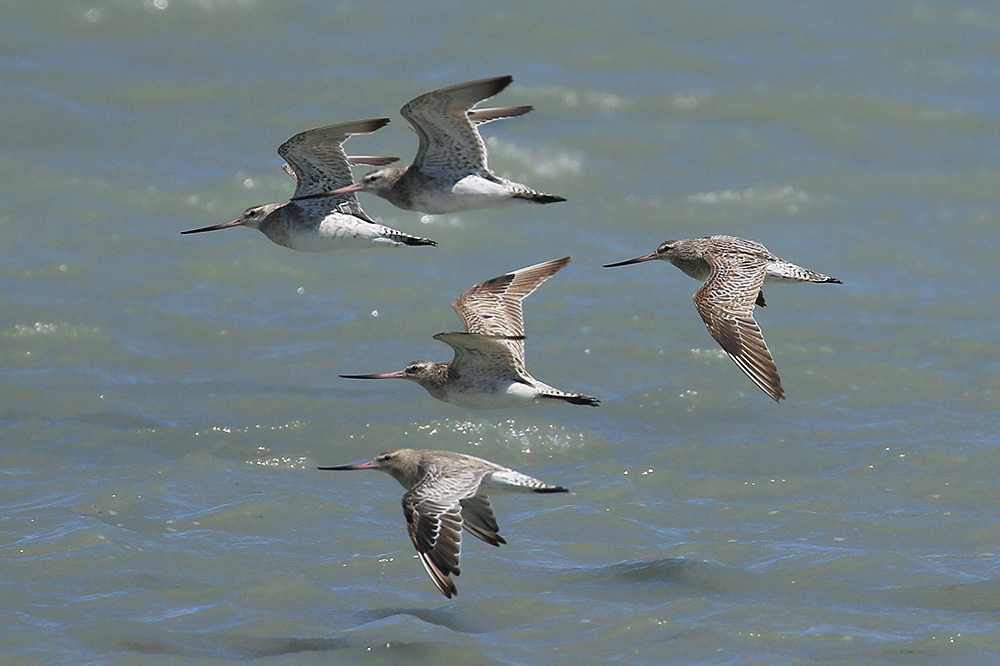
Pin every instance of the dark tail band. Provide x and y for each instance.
(576, 399)
(539, 198)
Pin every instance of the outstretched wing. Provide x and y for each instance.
(449, 139)
(493, 307)
(317, 161)
(725, 303)
(433, 513)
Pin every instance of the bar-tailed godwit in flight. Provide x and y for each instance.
(488, 369)
(449, 173)
(446, 491)
(316, 220)
(733, 271)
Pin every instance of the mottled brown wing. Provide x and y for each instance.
(725, 302)
(492, 355)
(493, 307)
(449, 139)
(434, 521)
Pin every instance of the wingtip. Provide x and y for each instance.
(417, 240)
(488, 87)
(771, 387)
(377, 123)
(441, 580)
(557, 264)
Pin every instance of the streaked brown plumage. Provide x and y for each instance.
(488, 369)
(446, 491)
(733, 271)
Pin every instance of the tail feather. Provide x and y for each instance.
(539, 197)
(413, 240)
(574, 398)
(551, 489)
(786, 271)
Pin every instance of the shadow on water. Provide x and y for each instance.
(227, 647)
(695, 577)
(142, 639)
(691, 578)
(443, 617)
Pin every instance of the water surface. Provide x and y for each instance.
(167, 398)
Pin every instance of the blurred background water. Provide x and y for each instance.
(166, 398)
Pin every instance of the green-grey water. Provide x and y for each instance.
(167, 398)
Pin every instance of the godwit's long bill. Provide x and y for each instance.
(446, 491)
(488, 370)
(316, 219)
(449, 172)
(733, 271)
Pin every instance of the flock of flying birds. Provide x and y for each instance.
(447, 491)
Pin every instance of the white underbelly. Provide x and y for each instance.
(497, 396)
(337, 231)
(471, 192)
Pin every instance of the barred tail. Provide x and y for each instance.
(574, 398)
(413, 240)
(539, 198)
